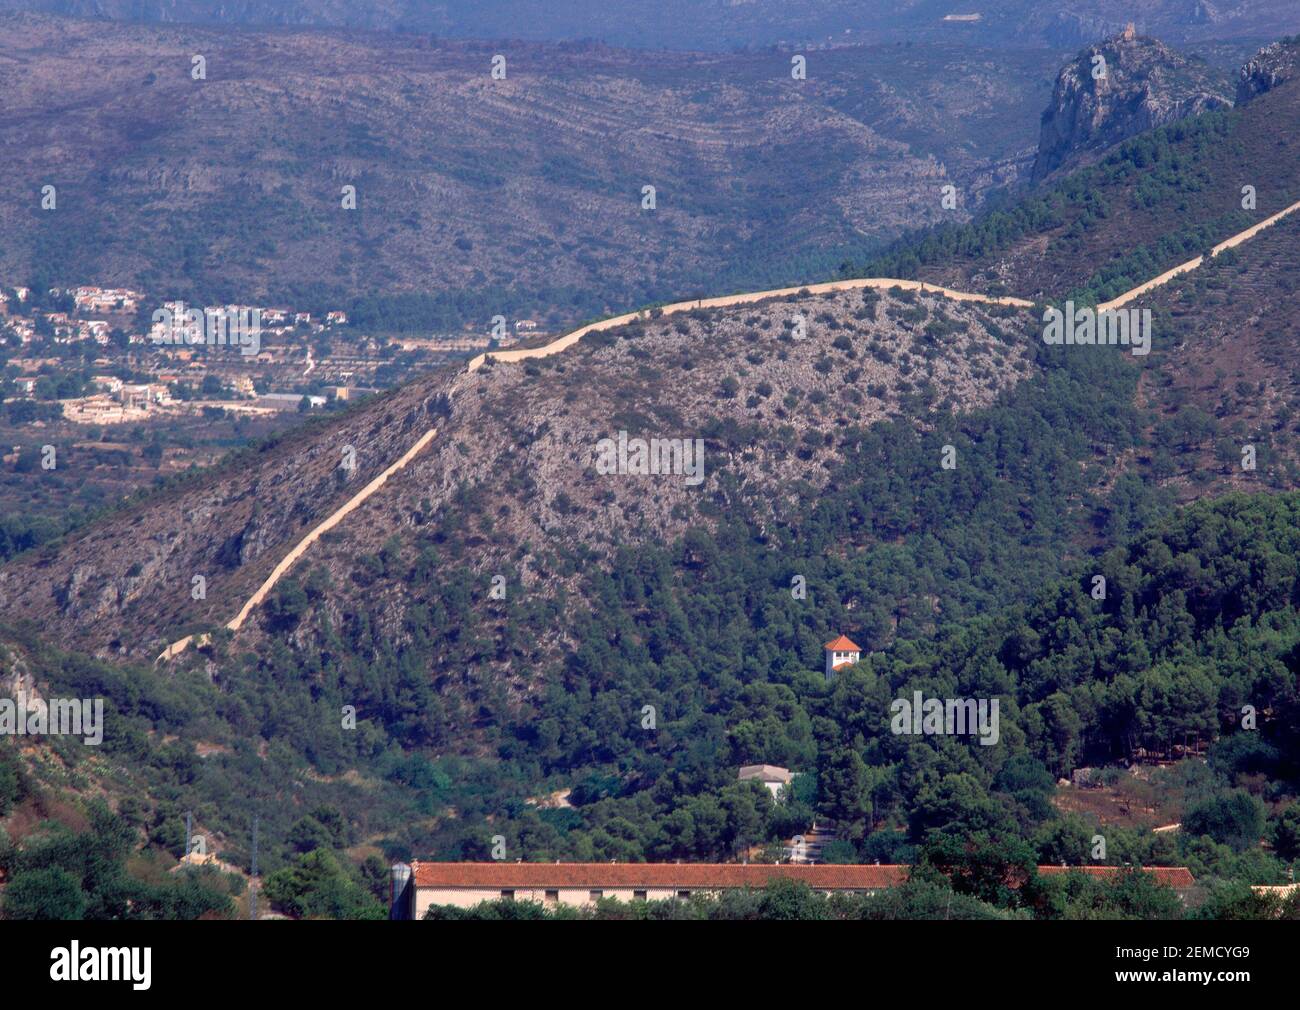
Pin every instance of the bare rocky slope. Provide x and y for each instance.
(1273, 65)
(769, 404)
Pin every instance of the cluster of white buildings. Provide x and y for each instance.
(93, 299)
(127, 302)
(67, 329)
(133, 394)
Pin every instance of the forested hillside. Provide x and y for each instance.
(1198, 628)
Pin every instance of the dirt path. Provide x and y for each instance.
(336, 517)
(569, 339)
(1190, 265)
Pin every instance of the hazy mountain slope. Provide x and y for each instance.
(521, 195)
(717, 24)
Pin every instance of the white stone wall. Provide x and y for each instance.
(467, 897)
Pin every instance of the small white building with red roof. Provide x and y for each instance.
(841, 651)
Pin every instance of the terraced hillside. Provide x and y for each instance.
(473, 195)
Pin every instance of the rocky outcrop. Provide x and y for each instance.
(1116, 89)
(16, 678)
(1271, 66)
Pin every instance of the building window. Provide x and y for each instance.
(638, 895)
(508, 895)
(595, 895)
(552, 895)
(683, 894)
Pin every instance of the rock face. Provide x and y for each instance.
(1271, 66)
(16, 679)
(1116, 89)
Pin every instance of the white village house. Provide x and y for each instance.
(773, 777)
(841, 651)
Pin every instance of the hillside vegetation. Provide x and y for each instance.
(508, 640)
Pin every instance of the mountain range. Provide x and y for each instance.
(719, 24)
(476, 196)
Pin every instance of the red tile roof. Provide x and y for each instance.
(843, 644)
(643, 875)
(1175, 876)
(498, 875)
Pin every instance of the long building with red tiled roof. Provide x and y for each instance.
(468, 884)
(1178, 877)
